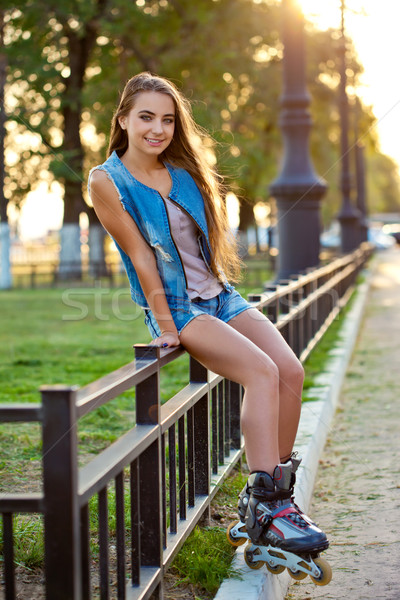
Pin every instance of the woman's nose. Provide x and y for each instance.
(157, 126)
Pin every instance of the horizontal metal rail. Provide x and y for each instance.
(21, 502)
(94, 476)
(106, 388)
(23, 413)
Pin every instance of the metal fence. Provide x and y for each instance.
(47, 273)
(164, 472)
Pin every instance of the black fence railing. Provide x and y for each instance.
(47, 273)
(159, 478)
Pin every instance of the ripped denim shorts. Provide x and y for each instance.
(228, 304)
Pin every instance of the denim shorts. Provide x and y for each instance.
(225, 306)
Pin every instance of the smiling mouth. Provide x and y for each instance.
(153, 141)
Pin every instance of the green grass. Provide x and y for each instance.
(71, 336)
(188, 563)
(67, 336)
(28, 541)
(74, 337)
(205, 559)
(317, 362)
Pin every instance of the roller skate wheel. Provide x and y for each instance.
(297, 575)
(326, 572)
(250, 557)
(234, 541)
(275, 570)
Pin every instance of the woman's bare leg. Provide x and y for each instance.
(225, 351)
(257, 328)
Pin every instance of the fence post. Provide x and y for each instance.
(8, 556)
(61, 506)
(148, 412)
(198, 373)
(235, 393)
(202, 470)
(298, 337)
(273, 308)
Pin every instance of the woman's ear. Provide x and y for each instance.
(122, 123)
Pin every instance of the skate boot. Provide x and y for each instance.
(236, 532)
(281, 535)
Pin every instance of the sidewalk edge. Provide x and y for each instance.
(314, 426)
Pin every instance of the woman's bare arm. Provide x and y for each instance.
(124, 230)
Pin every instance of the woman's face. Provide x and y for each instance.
(150, 124)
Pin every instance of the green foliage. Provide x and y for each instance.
(226, 56)
(383, 183)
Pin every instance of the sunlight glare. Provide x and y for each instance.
(373, 27)
(232, 207)
(322, 14)
(42, 211)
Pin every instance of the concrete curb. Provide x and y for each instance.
(314, 426)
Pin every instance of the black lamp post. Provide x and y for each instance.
(361, 192)
(361, 198)
(348, 216)
(298, 189)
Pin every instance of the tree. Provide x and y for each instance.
(383, 184)
(69, 59)
(233, 81)
(51, 51)
(383, 181)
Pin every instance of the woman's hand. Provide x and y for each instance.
(167, 339)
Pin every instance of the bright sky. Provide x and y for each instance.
(374, 28)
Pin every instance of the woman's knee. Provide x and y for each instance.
(292, 374)
(262, 371)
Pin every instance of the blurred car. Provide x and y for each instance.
(392, 229)
(376, 235)
(331, 237)
(380, 239)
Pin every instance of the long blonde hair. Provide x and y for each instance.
(187, 151)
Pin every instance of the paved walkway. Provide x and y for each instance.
(357, 494)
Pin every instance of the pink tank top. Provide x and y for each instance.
(200, 281)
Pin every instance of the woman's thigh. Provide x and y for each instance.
(258, 328)
(225, 350)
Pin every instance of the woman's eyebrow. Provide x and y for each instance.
(149, 112)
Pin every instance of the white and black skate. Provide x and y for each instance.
(279, 534)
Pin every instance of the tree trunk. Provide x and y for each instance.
(5, 263)
(70, 255)
(246, 221)
(79, 47)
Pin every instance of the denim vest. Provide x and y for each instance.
(147, 208)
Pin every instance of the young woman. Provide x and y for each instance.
(162, 203)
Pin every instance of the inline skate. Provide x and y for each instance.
(279, 534)
(236, 532)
